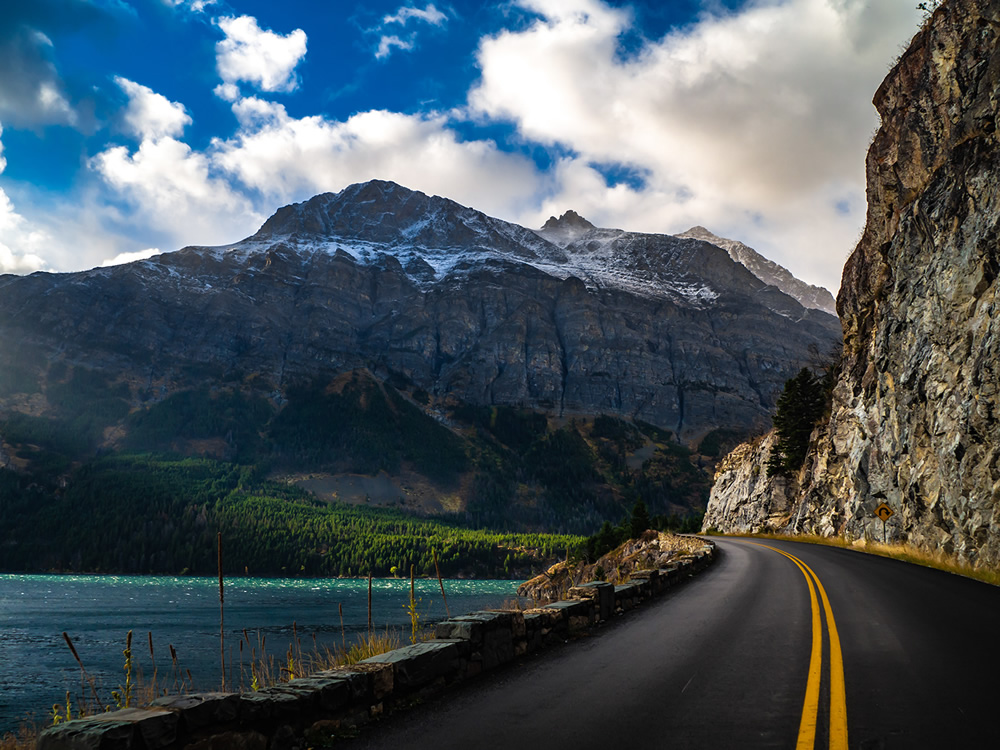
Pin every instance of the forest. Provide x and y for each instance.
(184, 466)
(150, 514)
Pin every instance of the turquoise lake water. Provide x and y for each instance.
(37, 667)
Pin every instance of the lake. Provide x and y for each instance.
(37, 667)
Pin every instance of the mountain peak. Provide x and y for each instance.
(566, 229)
(699, 233)
(569, 220)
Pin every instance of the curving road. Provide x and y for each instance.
(726, 662)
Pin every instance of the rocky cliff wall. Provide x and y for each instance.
(915, 421)
(745, 500)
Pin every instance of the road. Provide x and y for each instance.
(725, 662)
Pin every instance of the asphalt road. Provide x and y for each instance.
(725, 661)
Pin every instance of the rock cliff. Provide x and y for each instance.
(915, 419)
(569, 319)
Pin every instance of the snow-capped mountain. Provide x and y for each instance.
(571, 317)
(434, 238)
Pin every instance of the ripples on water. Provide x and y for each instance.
(37, 668)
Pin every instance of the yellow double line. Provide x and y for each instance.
(838, 693)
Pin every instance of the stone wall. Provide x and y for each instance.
(312, 710)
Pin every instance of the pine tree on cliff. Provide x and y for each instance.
(801, 404)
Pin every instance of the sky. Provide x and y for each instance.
(129, 128)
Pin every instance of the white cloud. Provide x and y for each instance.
(31, 89)
(130, 257)
(288, 159)
(198, 6)
(21, 246)
(27, 243)
(430, 15)
(753, 123)
(386, 44)
(151, 115)
(172, 189)
(229, 92)
(262, 58)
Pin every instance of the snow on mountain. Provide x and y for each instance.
(434, 238)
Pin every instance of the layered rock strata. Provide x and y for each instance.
(915, 419)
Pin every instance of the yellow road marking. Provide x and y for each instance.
(838, 691)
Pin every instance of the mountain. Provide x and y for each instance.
(809, 296)
(570, 319)
(915, 413)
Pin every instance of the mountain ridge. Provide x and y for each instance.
(425, 231)
(768, 271)
(667, 330)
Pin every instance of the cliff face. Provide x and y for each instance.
(745, 499)
(915, 421)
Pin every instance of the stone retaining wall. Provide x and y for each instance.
(313, 710)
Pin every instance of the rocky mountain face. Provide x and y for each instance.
(809, 296)
(568, 319)
(915, 419)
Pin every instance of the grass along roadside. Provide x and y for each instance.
(904, 552)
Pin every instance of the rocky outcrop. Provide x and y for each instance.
(653, 551)
(915, 421)
(464, 306)
(745, 500)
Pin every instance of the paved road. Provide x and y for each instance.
(725, 661)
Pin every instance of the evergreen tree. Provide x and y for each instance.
(799, 407)
(640, 519)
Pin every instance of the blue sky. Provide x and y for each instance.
(130, 128)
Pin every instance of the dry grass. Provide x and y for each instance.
(23, 739)
(904, 552)
(264, 670)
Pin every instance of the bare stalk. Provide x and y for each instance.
(343, 632)
(83, 671)
(369, 604)
(222, 619)
(441, 584)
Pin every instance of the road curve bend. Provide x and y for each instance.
(746, 656)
